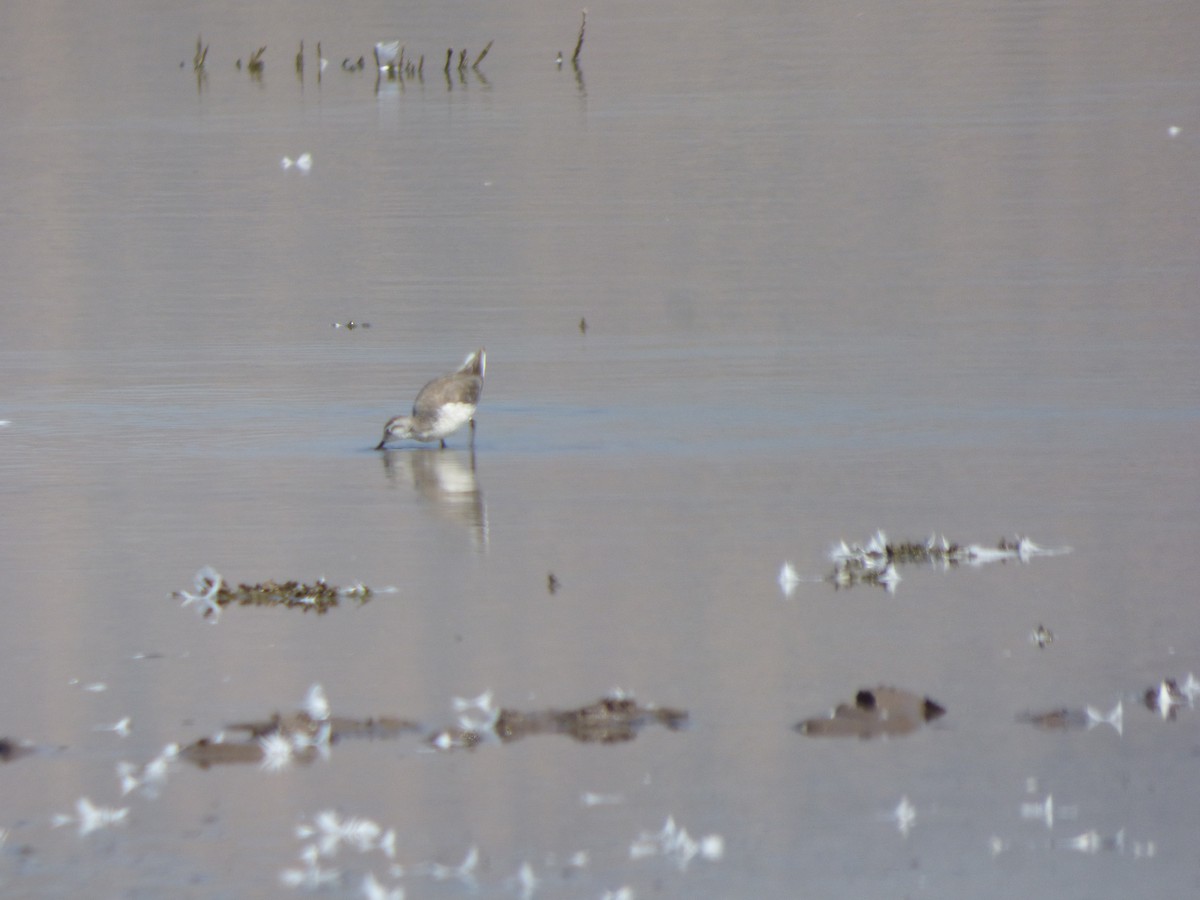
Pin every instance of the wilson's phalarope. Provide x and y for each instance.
(442, 407)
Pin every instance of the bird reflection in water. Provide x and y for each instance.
(446, 481)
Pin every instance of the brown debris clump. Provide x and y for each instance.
(875, 562)
(876, 712)
(212, 594)
(609, 720)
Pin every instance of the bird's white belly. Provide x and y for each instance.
(450, 418)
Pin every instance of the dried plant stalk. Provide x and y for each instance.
(482, 54)
(579, 43)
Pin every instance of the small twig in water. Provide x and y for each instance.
(449, 58)
(579, 44)
(462, 59)
(482, 54)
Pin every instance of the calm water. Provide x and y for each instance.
(911, 266)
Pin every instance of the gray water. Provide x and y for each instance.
(926, 268)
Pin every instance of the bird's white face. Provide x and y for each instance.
(397, 429)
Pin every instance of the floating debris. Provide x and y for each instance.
(609, 720)
(878, 712)
(675, 844)
(151, 777)
(256, 65)
(1114, 717)
(1043, 811)
(94, 687)
(389, 56)
(122, 728)
(525, 882)
(312, 877)
(316, 704)
(1072, 719)
(350, 325)
(1041, 636)
(1190, 690)
(552, 584)
(589, 798)
(1055, 719)
(301, 163)
(464, 872)
(1165, 698)
(212, 594)
(1092, 842)
(582, 321)
(207, 585)
(476, 713)
(90, 817)
(372, 890)
(788, 579)
(1168, 695)
(904, 815)
(1046, 811)
(330, 831)
(200, 56)
(875, 562)
(579, 43)
(299, 737)
(482, 54)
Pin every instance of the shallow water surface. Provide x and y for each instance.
(925, 269)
